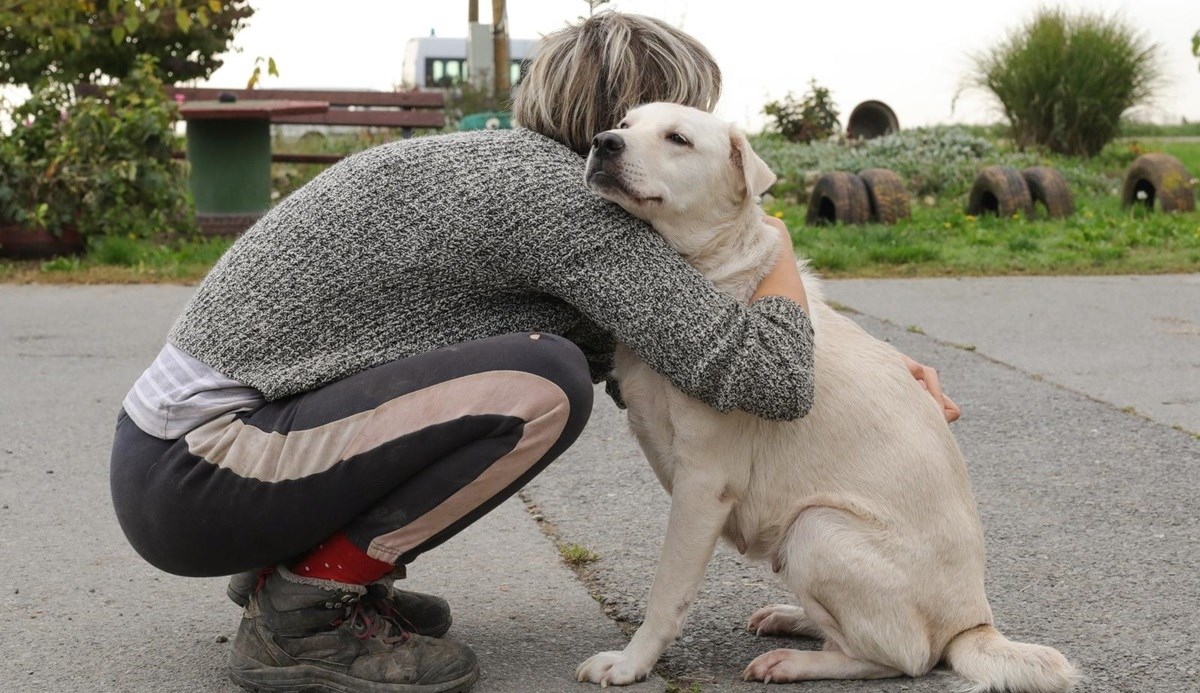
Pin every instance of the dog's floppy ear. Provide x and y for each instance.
(757, 174)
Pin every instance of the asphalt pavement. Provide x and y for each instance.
(1091, 512)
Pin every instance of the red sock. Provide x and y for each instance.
(338, 559)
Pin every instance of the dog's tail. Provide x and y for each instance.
(991, 662)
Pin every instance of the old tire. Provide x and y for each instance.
(871, 119)
(886, 195)
(838, 197)
(1049, 187)
(1000, 190)
(1158, 177)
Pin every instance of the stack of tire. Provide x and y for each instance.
(872, 195)
(1005, 192)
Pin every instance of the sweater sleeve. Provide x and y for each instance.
(625, 278)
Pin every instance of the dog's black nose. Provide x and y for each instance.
(607, 144)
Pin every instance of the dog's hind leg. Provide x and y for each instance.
(851, 580)
(783, 619)
(782, 666)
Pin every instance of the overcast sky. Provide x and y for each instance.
(912, 55)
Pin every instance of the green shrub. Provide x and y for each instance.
(813, 118)
(1064, 79)
(101, 165)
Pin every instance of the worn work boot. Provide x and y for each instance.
(423, 614)
(317, 635)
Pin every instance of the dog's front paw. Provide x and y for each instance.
(779, 666)
(615, 668)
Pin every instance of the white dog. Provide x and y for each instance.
(864, 505)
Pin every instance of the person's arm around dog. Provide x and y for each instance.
(784, 280)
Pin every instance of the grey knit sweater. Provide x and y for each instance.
(427, 242)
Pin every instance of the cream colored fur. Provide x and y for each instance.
(864, 505)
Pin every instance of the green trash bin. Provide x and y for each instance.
(488, 120)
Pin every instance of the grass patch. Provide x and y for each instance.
(121, 260)
(576, 555)
(1133, 128)
(1101, 238)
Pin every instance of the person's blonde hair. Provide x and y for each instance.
(583, 78)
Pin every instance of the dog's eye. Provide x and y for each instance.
(678, 139)
(623, 126)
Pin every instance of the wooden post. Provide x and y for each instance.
(500, 48)
(472, 11)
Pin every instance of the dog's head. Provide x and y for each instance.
(677, 167)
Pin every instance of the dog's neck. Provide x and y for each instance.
(734, 253)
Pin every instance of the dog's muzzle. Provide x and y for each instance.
(607, 145)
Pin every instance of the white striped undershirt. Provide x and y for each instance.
(178, 393)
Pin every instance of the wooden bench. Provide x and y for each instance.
(234, 207)
(402, 110)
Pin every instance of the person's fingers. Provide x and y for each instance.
(951, 409)
(930, 379)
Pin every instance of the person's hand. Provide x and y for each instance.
(928, 377)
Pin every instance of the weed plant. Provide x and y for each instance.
(1064, 79)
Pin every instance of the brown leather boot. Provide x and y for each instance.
(303, 634)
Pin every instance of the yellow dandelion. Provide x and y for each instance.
(778, 215)
(970, 218)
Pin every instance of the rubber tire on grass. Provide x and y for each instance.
(1163, 178)
(1000, 190)
(871, 119)
(886, 195)
(1048, 186)
(838, 197)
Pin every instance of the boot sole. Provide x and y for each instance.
(304, 678)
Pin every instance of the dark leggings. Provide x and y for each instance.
(400, 457)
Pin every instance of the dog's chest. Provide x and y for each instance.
(647, 398)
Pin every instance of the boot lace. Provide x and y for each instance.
(387, 609)
(365, 622)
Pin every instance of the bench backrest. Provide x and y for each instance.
(400, 109)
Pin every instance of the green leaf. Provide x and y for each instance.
(153, 15)
(118, 34)
(183, 20)
(215, 6)
(271, 70)
(131, 23)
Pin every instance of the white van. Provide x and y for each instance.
(440, 63)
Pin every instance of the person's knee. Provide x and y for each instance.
(558, 360)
